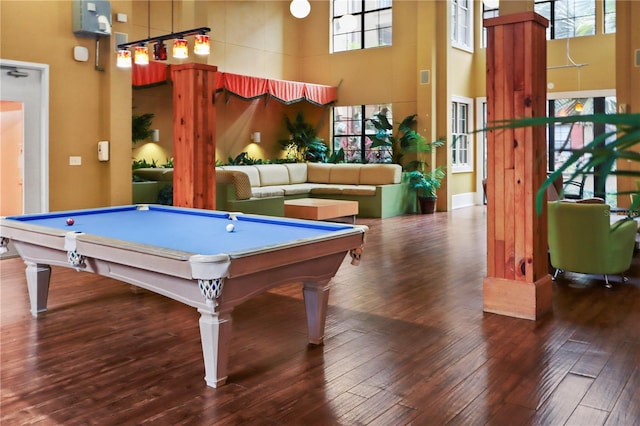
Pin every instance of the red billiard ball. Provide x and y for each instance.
(70, 221)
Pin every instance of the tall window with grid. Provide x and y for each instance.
(461, 147)
(462, 24)
(569, 18)
(352, 131)
(360, 24)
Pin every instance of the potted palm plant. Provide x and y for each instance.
(424, 183)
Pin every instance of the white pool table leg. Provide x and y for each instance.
(38, 286)
(215, 332)
(316, 301)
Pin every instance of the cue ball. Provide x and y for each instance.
(70, 221)
(230, 227)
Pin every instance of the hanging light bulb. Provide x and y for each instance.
(160, 51)
(180, 48)
(579, 106)
(141, 55)
(348, 23)
(201, 44)
(123, 59)
(300, 8)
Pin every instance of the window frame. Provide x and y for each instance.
(551, 30)
(361, 10)
(456, 165)
(462, 29)
(361, 134)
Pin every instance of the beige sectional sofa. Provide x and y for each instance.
(262, 189)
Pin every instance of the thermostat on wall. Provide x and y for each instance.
(80, 54)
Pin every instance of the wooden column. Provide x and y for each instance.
(517, 283)
(194, 135)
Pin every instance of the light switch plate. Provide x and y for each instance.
(75, 160)
(80, 53)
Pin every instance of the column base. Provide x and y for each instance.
(517, 298)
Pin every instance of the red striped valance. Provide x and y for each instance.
(244, 86)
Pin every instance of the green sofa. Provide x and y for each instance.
(379, 189)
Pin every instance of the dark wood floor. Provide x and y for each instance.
(407, 343)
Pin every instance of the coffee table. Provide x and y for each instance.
(320, 208)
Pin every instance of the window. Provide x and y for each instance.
(609, 16)
(351, 127)
(569, 18)
(360, 24)
(564, 139)
(461, 141)
(462, 24)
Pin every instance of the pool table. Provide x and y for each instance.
(190, 256)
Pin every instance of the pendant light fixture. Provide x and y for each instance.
(300, 8)
(180, 46)
(201, 44)
(141, 55)
(123, 58)
(160, 51)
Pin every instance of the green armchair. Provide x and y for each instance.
(583, 240)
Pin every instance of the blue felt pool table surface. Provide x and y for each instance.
(194, 231)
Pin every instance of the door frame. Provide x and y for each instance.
(42, 142)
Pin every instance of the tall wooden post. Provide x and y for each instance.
(517, 283)
(194, 135)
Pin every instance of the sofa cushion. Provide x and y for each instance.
(328, 189)
(318, 172)
(359, 190)
(345, 173)
(297, 172)
(267, 191)
(273, 174)
(251, 171)
(298, 188)
(380, 174)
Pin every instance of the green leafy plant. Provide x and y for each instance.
(303, 143)
(243, 159)
(142, 164)
(141, 127)
(601, 154)
(426, 184)
(408, 140)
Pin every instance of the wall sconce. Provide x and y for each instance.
(155, 135)
(255, 137)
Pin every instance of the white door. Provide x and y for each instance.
(27, 84)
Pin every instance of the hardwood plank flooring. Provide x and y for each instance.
(406, 343)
